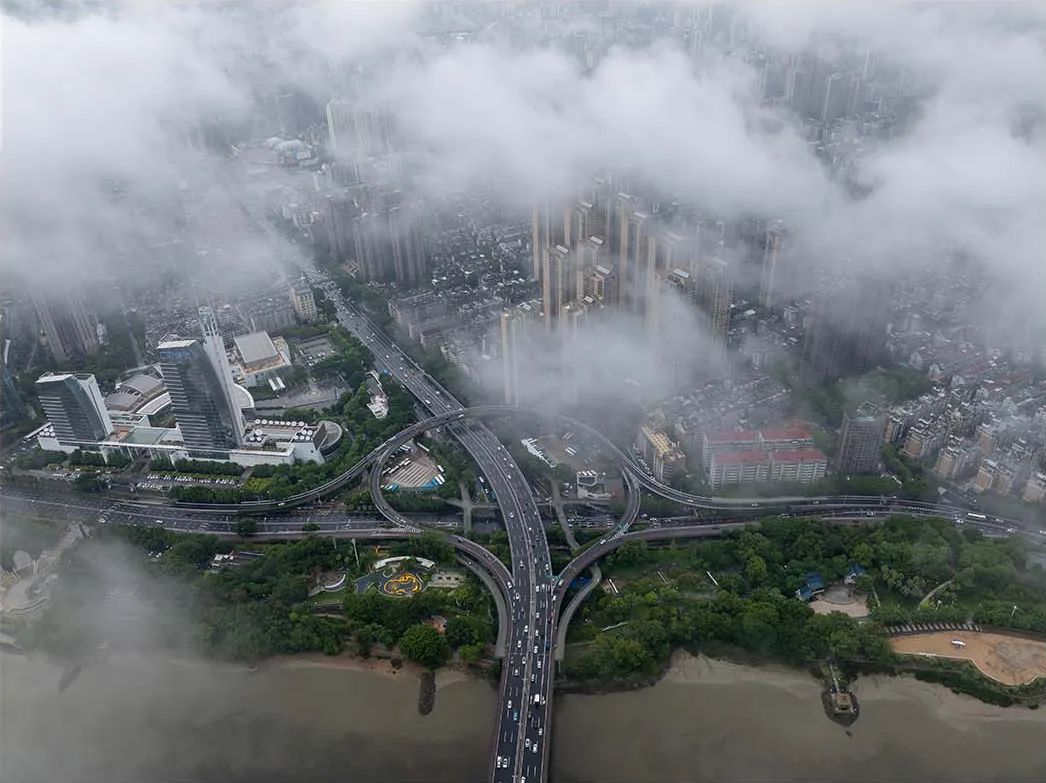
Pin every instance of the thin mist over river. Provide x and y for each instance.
(136, 718)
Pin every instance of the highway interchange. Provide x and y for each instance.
(531, 596)
(521, 752)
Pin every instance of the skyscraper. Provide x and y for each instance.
(839, 91)
(557, 282)
(667, 255)
(769, 282)
(860, 441)
(203, 400)
(387, 240)
(71, 330)
(847, 328)
(588, 256)
(407, 248)
(356, 130)
(572, 323)
(715, 296)
(550, 226)
(633, 248)
(510, 326)
(12, 406)
(74, 407)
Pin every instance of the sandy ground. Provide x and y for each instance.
(381, 666)
(714, 671)
(841, 599)
(1008, 659)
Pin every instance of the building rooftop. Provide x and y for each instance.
(787, 433)
(741, 458)
(732, 436)
(255, 348)
(175, 344)
(142, 384)
(53, 377)
(800, 455)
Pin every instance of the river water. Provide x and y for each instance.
(138, 718)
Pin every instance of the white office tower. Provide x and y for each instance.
(74, 407)
(214, 347)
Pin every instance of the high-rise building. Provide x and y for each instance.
(847, 328)
(304, 301)
(860, 441)
(572, 321)
(203, 398)
(769, 280)
(588, 255)
(587, 221)
(600, 284)
(510, 328)
(71, 330)
(74, 407)
(716, 294)
(838, 96)
(550, 227)
(356, 130)
(557, 282)
(634, 230)
(667, 261)
(407, 248)
(388, 242)
(12, 407)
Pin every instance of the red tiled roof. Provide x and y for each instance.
(799, 455)
(790, 433)
(732, 436)
(741, 458)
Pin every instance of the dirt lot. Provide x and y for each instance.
(1011, 660)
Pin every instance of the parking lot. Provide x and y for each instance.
(162, 481)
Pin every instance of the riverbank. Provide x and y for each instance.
(386, 667)
(715, 720)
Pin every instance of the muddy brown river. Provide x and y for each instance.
(137, 718)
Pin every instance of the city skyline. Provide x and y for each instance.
(551, 343)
